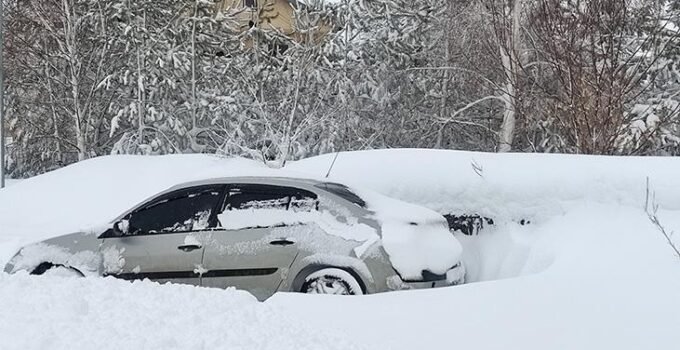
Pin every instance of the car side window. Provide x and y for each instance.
(186, 210)
(251, 206)
(245, 199)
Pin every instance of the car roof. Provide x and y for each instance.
(306, 183)
(274, 180)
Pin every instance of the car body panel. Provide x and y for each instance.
(251, 259)
(157, 257)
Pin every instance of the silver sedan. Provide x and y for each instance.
(263, 235)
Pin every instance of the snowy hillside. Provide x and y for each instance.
(589, 272)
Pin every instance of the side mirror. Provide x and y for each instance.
(119, 229)
(122, 227)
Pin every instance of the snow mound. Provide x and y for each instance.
(96, 313)
(10, 182)
(608, 280)
(591, 271)
(513, 185)
(508, 188)
(413, 246)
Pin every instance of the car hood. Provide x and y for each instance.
(415, 238)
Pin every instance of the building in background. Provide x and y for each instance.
(288, 17)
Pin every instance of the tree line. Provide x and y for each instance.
(94, 77)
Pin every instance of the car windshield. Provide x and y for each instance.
(342, 191)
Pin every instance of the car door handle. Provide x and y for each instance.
(189, 247)
(281, 242)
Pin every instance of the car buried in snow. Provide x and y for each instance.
(262, 235)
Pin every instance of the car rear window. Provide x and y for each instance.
(343, 192)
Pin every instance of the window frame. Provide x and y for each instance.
(166, 196)
(345, 193)
(289, 191)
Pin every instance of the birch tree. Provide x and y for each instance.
(63, 47)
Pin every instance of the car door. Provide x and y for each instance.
(164, 239)
(252, 248)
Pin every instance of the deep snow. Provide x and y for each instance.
(597, 277)
(9, 182)
(589, 272)
(511, 185)
(98, 313)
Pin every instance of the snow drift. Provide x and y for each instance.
(105, 313)
(502, 185)
(590, 271)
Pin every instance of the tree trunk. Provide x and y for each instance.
(74, 65)
(193, 66)
(445, 83)
(141, 96)
(510, 51)
(55, 119)
(507, 131)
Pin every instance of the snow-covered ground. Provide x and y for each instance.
(504, 186)
(97, 313)
(606, 281)
(589, 272)
(9, 182)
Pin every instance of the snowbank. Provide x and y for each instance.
(97, 313)
(508, 188)
(608, 281)
(424, 244)
(502, 185)
(9, 182)
(589, 272)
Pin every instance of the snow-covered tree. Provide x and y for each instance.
(603, 55)
(58, 54)
(88, 77)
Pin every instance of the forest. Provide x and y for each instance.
(86, 78)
